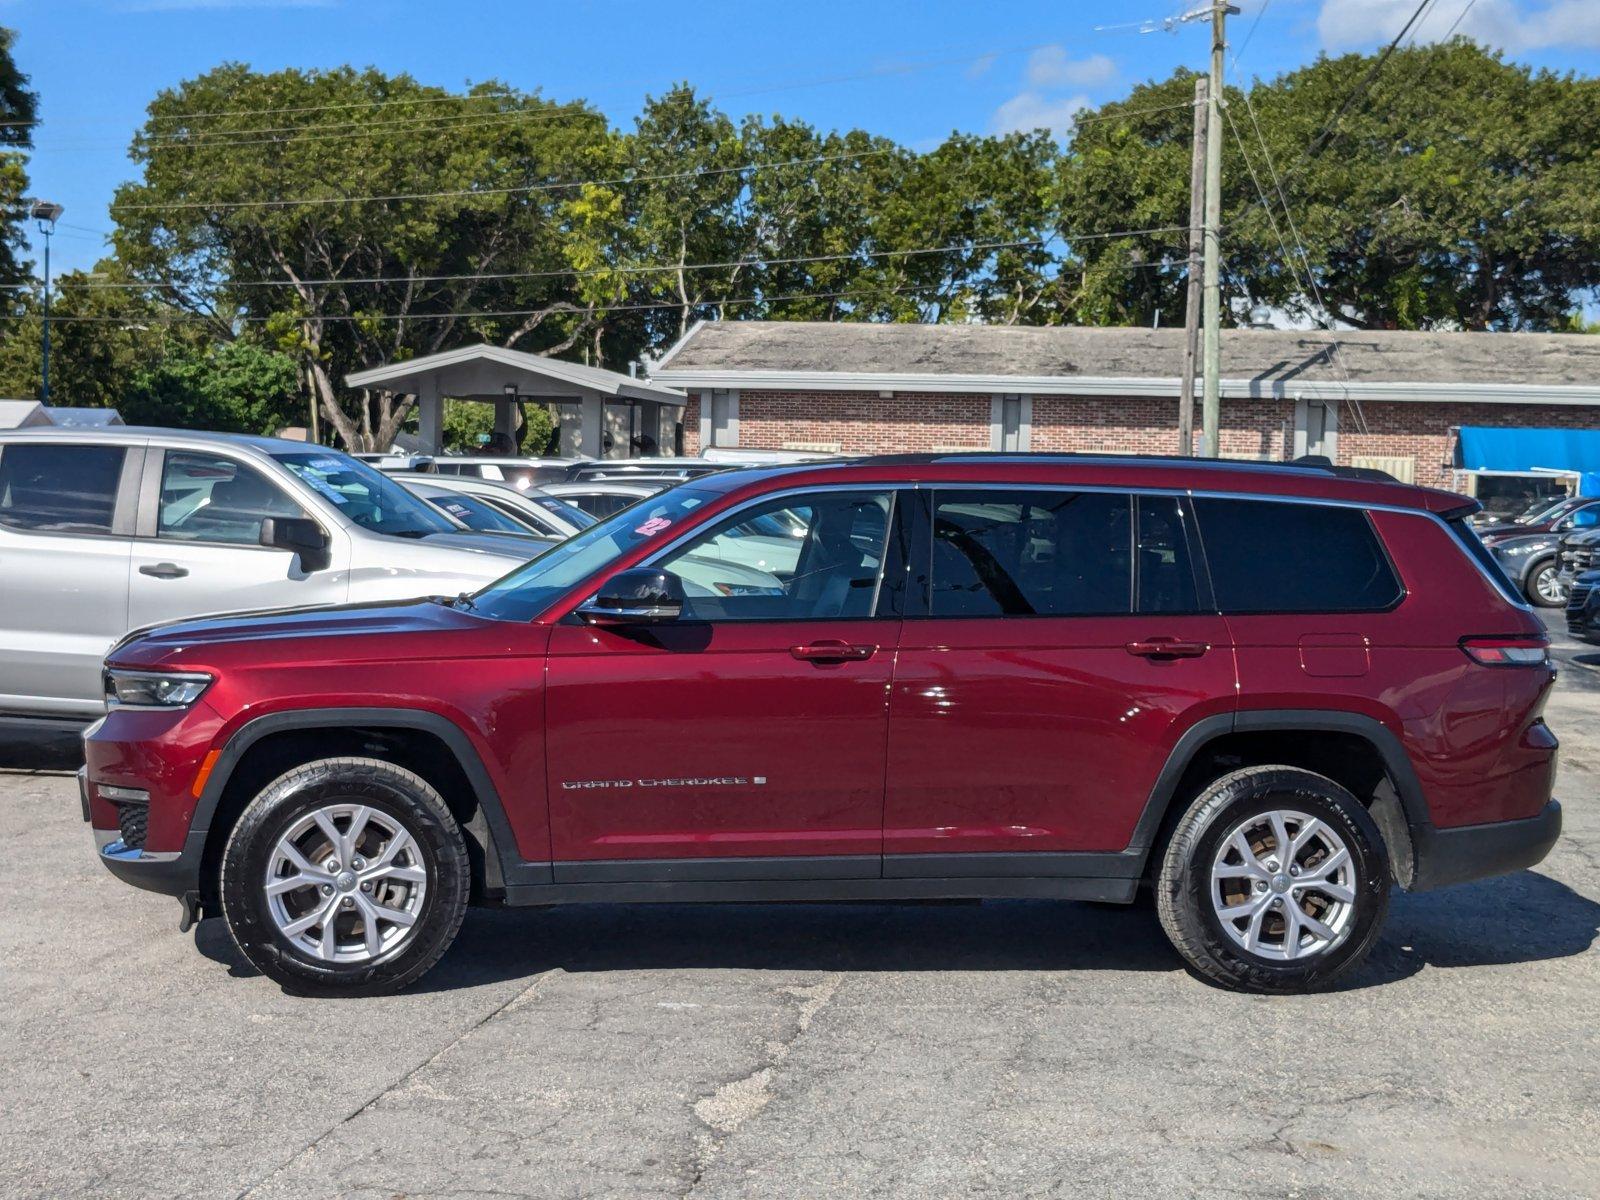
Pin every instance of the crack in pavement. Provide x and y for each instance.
(526, 994)
(732, 1104)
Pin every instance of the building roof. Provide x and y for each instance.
(19, 414)
(93, 417)
(481, 372)
(1402, 365)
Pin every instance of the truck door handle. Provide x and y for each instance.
(1165, 647)
(165, 571)
(832, 651)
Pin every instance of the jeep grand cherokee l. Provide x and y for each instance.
(1265, 693)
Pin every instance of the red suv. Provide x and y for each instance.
(1265, 693)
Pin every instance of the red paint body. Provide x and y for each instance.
(951, 736)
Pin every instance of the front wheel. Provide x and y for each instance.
(1275, 880)
(1544, 586)
(346, 876)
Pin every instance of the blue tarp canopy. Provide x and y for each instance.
(1483, 448)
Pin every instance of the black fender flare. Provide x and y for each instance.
(1412, 818)
(490, 827)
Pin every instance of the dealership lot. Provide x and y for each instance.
(998, 1049)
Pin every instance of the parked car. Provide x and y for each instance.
(501, 507)
(519, 472)
(662, 470)
(1558, 517)
(395, 461)
(1579, 551)
(1265, 692)
(1531, 554)
(601, 498)
(106, 530)
(1583, 606)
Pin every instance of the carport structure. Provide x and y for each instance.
(599, 413)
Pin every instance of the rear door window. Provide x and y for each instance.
(58, 488)
(1271, 556)
(1002, 553)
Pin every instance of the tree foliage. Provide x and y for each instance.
(347, 218)
(19, 108)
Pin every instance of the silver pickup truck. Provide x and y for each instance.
(107, 530)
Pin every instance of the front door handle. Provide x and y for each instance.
(165, 571)
(832, 651)
(1165, 647)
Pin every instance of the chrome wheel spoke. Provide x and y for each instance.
(1263, 901)
(305, 900)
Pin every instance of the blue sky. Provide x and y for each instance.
(911, 71)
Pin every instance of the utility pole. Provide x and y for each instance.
(47, 214)
(1191, 312)
(1211, 399)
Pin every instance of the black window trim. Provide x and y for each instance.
(897, 507)
(124, 511)
(920, 598)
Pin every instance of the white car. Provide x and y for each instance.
(602, 497)
(519, 472)
(482, 504)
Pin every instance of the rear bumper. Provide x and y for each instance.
(1446, 856)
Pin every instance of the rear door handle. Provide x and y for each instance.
(832, 651)
(165, 571)
(1165, 647)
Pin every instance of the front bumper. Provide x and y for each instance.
(1460, 855)
(170, 872)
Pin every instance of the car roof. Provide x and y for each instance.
(138, 435)
(1308, 480)
(506, 460)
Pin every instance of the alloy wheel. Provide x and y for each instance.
(1283, 886)
(346, 883)
(1547, 583)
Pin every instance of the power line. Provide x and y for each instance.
(467, 193)
(497, 314)
(1322, 138)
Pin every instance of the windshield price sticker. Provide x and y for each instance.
(654, 525)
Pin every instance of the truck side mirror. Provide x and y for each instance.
(298, 535)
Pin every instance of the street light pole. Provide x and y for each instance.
(47, 214)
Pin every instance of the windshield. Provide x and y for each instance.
(524, 594)
(368, 497)
(1541, 510)
(473, 513)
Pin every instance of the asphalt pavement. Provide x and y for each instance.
(1002, 1049)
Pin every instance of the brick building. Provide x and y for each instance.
(1387, 399)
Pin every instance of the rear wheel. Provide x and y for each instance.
(346, 876)
(1275, 880)
(1544, 586)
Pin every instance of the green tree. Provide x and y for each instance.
(19, 109)
(429, 207)
(232, 387)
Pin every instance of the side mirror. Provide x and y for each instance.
(298, 535)
(641, 596)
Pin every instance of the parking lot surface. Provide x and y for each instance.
(1002, 1049)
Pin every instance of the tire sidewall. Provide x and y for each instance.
(264, 821)
(1295, 791)
(1532, 591)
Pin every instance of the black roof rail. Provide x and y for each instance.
(1306, 462)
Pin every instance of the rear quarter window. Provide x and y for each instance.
(1269, 556)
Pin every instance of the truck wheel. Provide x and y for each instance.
(1544, 587)
(346, 876)
(1275, 880)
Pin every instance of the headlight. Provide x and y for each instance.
(154, 689)
(1520, 549)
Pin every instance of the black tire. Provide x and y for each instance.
(1529, 589)
(1183, 882)
(401, 797)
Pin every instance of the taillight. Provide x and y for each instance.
(1507, 651)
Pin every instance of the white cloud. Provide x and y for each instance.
(1055, 88)
(1030, 110)
(1049, 67)
(1512, 25)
